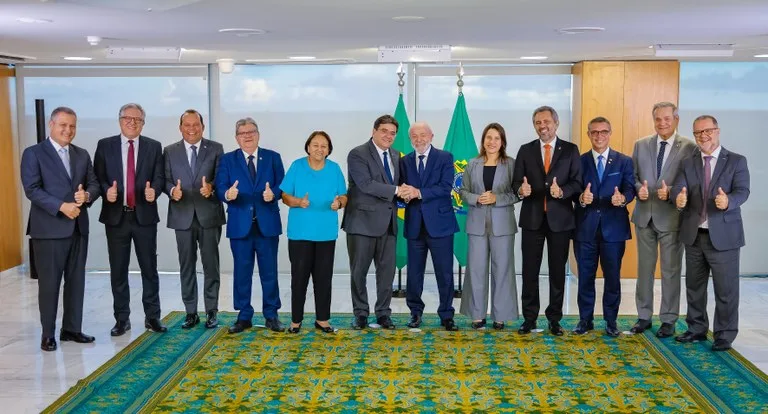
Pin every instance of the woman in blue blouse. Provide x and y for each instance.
(314, 189)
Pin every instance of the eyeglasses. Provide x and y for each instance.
(247, 133)
(602, 133)
(132, 119)
(707, 132)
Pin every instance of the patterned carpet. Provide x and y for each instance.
(400, 371)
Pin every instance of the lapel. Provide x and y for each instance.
(698, 168)
(377, 160)
(719, 167)
(202, 153)
(590, 176)
(536, 149)
(117, 159)
(395, 157)
(259, 166)
(240, 161)
(431, 160)
(181, 159)
(501, 171)
(141, 157)
(555, 155)
(653, 154)
(610, 166)
(672, 155)
(73, 163)
(56, 160)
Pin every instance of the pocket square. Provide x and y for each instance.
(613, 174)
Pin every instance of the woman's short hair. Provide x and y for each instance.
(314, 134)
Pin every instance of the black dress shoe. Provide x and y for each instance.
(120, 328)
(78, 337)
(274, 324)
(498, 325)
(527, 327)
(212, 321)
(689, 337)
(666, 330)
(191, 320)
(556, 329)
(478, 324)
(48, 344)
(721, 345)
(294, 329)
(239, 326)
(154, 325)
(385, 322)
(583, 327)
(415, 321)
(640, 326)
(449, 325)
(611, 330)
(326, 329)
(360, 322)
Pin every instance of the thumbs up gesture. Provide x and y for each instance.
(525, 189)
(268, 194)
(231, 194)
(304, 202)
(80, 196)
(555, 189)
(149, 193)
(618, 199)
(587, 197)
(642, 194)
(206, 189)
(336, 204)
(112, 192)
(663, 192)
(721, 199)
(176, 193)
(682, 199)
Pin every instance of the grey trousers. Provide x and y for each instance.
(381, 251)
(649, 241)
(474, 299)
(187, 242)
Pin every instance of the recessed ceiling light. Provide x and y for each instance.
(31, 20)
(533, 57)
(580, 30)
(76, 58)
(239, 31)
(408, 18)
(650, 47)
(762, 56)
(302, 57)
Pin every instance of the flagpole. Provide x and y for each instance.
(460, 83)
(400, 292)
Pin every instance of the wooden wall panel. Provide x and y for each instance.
(10, 207)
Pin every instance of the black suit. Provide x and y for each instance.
(555, 225)
(60, 243)
(123, 225)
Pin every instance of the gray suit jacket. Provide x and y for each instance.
(371, 207)
(503, 221)
(209, 211)
(663, 213)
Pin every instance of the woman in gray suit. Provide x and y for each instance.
(491, 226)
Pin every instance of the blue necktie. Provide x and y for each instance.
(193, 160)
(388, 170)
(421, 164)
(64, 155)
(600, 167)
(251, 168)
(660, 159)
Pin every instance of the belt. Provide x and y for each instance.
(703, 230)
(129, 209)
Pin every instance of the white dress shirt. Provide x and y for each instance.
(667, 148)
(552, 145)
(188, 146)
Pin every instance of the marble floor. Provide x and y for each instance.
(31, 379)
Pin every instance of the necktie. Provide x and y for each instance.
(421, 164)
(193, 159)
(660, 159)
(705, 189)
(547, 149)
(600, 167)
(388, 170)
(64, 155)
(130, 190)
(252, 168)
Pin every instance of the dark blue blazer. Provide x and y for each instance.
(250, 203)
(436, 206)
(48, 186)
(612, 221)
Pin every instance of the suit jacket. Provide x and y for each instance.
(435, 208)
(209, 211)
(726, 229)
(47, 186)
(566, 167)
(371, 208)
(249, 204)
(503, 222)
(663, 213)
(612, 221)
(108, 166)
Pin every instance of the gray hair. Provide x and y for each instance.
(665, 105)
(420, 125)
(599, 120)
(704, 117)
(546, 108)
(132, 106)
(245, 121)
(62, 110)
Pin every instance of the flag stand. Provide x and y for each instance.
(457, 291)
(399, 292)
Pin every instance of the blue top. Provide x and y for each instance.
(316, 222)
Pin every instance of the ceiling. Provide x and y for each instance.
(352, 30)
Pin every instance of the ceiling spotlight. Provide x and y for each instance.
(77, 58)
(226, 65)
(762, 56)
(408, 18)
(302, 57)
(31, 20)
(580, 30)
(93, 40)
(533, 57)
(242, 32)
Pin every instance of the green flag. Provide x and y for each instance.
(461, 143)
(402, 145)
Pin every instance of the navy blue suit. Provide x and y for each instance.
(602, 230)
(429, 226)
(253, 226)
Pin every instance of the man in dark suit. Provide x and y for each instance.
(58, 179)
(429, 223)
(370, 219)
(195, 213)
(547, 176)
(602, 225)
(129, 168)
(709, 190)
(248, 180)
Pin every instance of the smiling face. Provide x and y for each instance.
(191, 128)
(131, 123)
(545, 125)
(384, 135)
(492, 142)
(247, 138)
(665, 122)
(318, 148)
(600, 135)
(63, 127)
(707, 135)
(421, 137)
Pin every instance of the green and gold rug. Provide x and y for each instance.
(201, 370)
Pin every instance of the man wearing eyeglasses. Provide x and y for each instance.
(712, 185)
(657, 160)
(129, 167)
(602, 225)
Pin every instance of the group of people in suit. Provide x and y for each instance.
(687, 193)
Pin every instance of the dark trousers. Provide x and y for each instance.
(609, 255)
(381, 251)
(55, 258)
(265, 251)
(315, 259)
(701, 258)
(533, 249)
(119, 247)
(441, 250)
(187, 242)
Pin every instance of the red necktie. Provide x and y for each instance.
(130, 188)
(547, 147)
